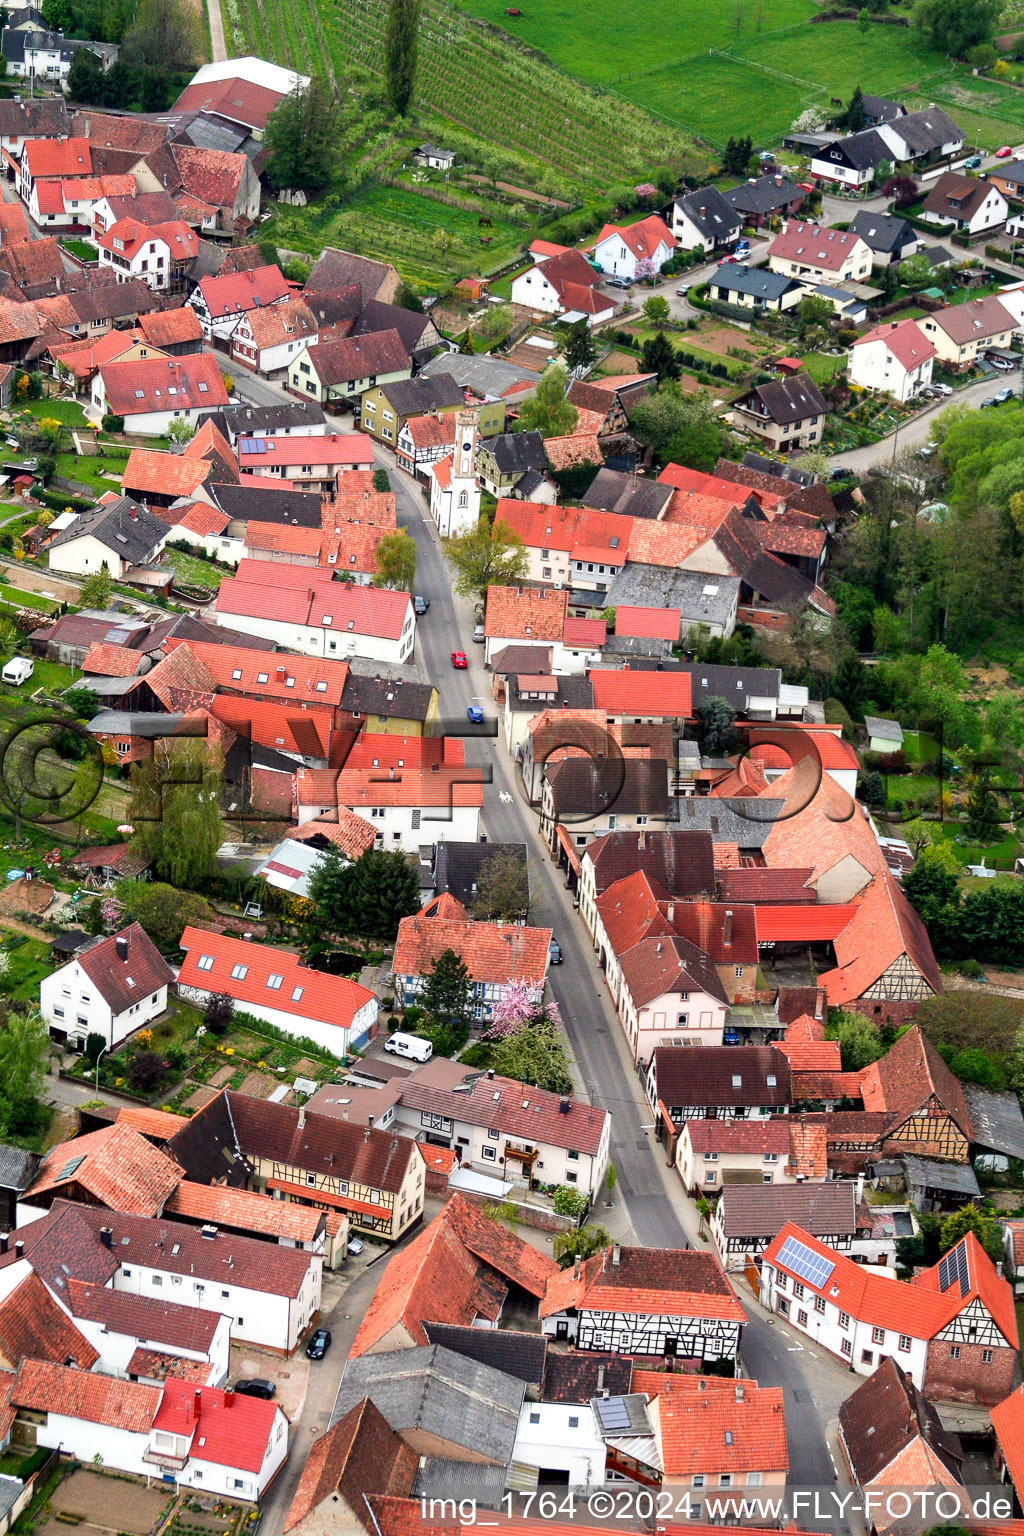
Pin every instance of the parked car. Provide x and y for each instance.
(1004, 152)
(730, 1037)
(478, 633)
(943, 389)
(1001, 364)
(927, 451)
(256, 1386)
(459, 661)
(619, 282)
(319, 1344)
(354, 1247)
(555, 952)
(420, 605)
(475, 715)
(1003, 395)
(683, 290)
(972, 163)
(989, 401)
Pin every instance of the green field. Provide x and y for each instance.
(22, 599)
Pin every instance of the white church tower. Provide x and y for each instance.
(454, 488)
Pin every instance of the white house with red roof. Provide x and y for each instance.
(634, 250)
(411, 789)
(306, 463)
(273, 984)
(156, 254)
(223, 1443)
(952, 1330)
(497, 955)
(815, 251)
(111, 988)
(221, 301)
(564, 283)
(304, 609)
(152, 393)
(893, 359)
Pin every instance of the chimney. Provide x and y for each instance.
(727, 928)
(5, 1238)
(490, 1074)
(739, 1391)
(778, 181)
(563, 1104)
(229, 1399)
(106, 1237)
(19, 1249)
(893, 325)
(600, 1380)
(641, 841)
(121, 945)
(197, 1401)
(576, 1268)
(302, 1116)
(616, 1253)
(670, 911)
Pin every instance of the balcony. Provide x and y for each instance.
(165, 1459)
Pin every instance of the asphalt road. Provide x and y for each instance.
(660, 1214)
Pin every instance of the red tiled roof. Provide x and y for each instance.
(279, 726)
(904, 339)
(683, 1282)
(726, 934)
(820, 826)
(371, 355)
(918, 1308)
(361, 1454)
(200, 519)
(662, 694)
(707, 1425)
(493, 952)
(643, 238)
(245, 1210)
(815, 245)
(882, 929)
(1008, 1422)
(431, 431)
(760, 884)
(159, 1322)
(236, 99)
(154, 1124)
(44, 1387)
(231, 1430)
(649, 623)
(236, 292)
(262, 674)
(803, 924)
(519, 613)
(57, 157)
(304, 992)
(350, 832)
(271, 593)
(504, 1105)
(33, 1326)
(115, 1165)
(149, 473)
(810, 1055)
(331, 448)
(908, 1075)
(195, 378)
(437, 1277)
(590, 633)
(735, 1136)
(110, 660)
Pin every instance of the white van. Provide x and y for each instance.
(409, 1045)
(18, 670)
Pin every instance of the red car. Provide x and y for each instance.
(459, 661)
(1004, 153)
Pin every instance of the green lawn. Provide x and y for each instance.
(66, 411)
(19, 598)
(80, 249)
(822, 368)
(201, 573)
(92, 470)
(29, 963)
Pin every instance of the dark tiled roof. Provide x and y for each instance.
(359, 1455)
(457, 866)
(131, 531)
(272, 505)
(17, 1167)
(882, 232)
(124, 982)
(251, 420)
(763, 195)
(706, 1077)
(377, 316)
(584, 786)
(682, 863)
(709, 211)
(339, 269)
(862, 150)
(737, 684)
(928, 130)
(577, 1378)
(207, 1146)
(612, 490)
(517, 1354)
(414, 397)
(791, 399)
(516, 452)
(760, 1210)
(387, 696)
(884, 1415)
(378, 1159)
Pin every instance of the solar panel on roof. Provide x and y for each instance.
(70, 1166)
(811, 1266)
(614, 1413)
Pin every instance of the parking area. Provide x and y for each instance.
(291, 1377)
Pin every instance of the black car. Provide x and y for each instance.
(256, 1386)
(420, 604)
(319, 1344)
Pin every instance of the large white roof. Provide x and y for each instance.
(257, 71)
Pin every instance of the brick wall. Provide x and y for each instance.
(969, 1379)
(881, 1011)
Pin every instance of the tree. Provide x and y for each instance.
(486, 557)
(848, 680)
(579, 1243)
(955, 26)
(717, 718)
(810, 120)
(983, 818)
(859, 1042)
(548, 411)
(31, 786)
(408, 298)
(332, 891)
(737, 155)
(534, 1055)
(856, 117)
(301, 139)
(145, 1071)
(381, 481)
(163, 911)
(446, 996)
(502, 887)
(580, 349)
(95, 589)
(165, 36)
(175, 809)
(86, 82)
(219, 1012)
(902, 189)
(82, 702)
(668, 421)
(916, 272)
(520, 1007)
(386, 890)
(656, 309)
(969, 1219)
(569, 1201)
(395, 560)
(23, 1046)
(814, 314)
(932, 883)
(466, 341)
(661, 357)
(95, 1045)
(400, 42)
(973, 1065)
(611, 1178)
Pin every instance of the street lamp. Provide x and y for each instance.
(99, 1058)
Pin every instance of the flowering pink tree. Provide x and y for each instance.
(645, 270)
(521, 1005)
(113, 912)
(646, 191)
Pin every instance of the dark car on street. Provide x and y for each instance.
(256, 1386)
(319, 1344)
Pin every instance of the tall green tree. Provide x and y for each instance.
(502, 887)
(23, 1047)
(579, 1243)
(580, 349)
(395, 560)
(983, 818)
(386, 890)
(485, 557)
(96, 588)
(332, 891)
(969, 1219)
(534, 1055)
(859, 1040)
(548, 411)
(165, 35)
(175, 809)
(856, 117)
(661, 357)
(933, 882)
(955, 26)
(301, 139)
(717, 718)
(446, 996)
(401, 36)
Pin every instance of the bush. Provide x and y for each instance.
(218, 1013)
(569, 1201)
(971, 969)
(145, 1070)
(94, 1044)
(112, 423)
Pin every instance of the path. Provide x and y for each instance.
(914, 433)
(514, 191)
(218, 47)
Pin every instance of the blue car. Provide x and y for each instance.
(475, 714)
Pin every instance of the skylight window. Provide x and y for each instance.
(205, 963)
(274, 981)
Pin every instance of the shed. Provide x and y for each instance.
(885, 736)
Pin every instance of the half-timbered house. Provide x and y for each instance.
(925, 1102)
(953, 1330)
(885, 966)
(674, 1303)
(747, 1217)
